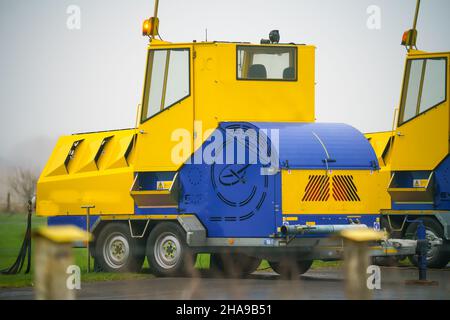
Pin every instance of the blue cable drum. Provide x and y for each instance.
(232, 199)
(308, 145)
(242, 197)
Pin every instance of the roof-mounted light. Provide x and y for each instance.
(409, 38)
(150, 27)
(274, 37)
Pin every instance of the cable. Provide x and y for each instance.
(159, 36)
(25, 250)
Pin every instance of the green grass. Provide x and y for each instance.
(12, 231)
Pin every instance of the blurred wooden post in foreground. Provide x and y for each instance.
(356, 261)
(53, 256)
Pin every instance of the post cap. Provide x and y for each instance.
(63, 234)
(362, 235)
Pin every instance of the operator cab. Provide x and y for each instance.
(422, 133)
(190, 88)
(420, 146)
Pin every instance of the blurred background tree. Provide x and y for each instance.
(22, 183)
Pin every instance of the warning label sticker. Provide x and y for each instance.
(163, 185)
(420, 183)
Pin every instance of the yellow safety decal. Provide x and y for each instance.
(420, 183)
(163, 185)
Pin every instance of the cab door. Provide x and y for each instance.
(422, 133)
(164, 136)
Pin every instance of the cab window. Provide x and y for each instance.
(167, 80)
(424, 86)
(266, 63)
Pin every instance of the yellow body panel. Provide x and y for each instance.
(155, 143)
(222, 97)
(422, 143)
(66, 183)
(380, 144)
(158, 136)
(322, 192)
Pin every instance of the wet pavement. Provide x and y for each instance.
(315, 284)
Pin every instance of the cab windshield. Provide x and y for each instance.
(424, 87)
(167, 80)
(266, 63)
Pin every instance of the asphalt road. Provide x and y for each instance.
(315, 284)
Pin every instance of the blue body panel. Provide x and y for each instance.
(78, 221)
(412, 206)
(442, 185)
(147, 211)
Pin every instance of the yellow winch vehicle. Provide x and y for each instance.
(415, 155)
(227, 159)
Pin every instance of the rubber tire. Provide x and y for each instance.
(185, 264)
(135, 258)
(441, 259)
(290, 269)
(234, 264)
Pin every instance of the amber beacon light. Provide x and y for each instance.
(150, 26)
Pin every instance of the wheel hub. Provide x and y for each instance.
(116, 250)
(170, 249)
(167, 250)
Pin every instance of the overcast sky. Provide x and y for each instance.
(55, 81)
